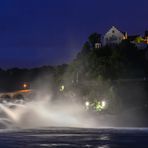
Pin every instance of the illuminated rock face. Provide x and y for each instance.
(113, 36)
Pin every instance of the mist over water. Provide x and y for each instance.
(42, 122)
(41, 112)
(44, 110)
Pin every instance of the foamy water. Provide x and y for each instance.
(43, 113)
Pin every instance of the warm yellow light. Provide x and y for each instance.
(25, 85)
(62, 88)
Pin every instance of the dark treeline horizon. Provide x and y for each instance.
(13, 79)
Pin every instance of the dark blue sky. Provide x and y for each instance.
(46, 32)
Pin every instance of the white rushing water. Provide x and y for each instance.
(43, 113)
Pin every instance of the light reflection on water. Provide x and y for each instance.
(74, 138)
(104, 146)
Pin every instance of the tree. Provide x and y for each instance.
(94, 38)
(84, 51)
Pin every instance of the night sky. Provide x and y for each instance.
(49, 32)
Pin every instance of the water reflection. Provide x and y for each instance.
(104, 146)
(104, 137)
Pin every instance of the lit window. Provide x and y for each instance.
(113, 31)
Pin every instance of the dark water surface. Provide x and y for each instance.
(75, 138)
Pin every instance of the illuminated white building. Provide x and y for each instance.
(114, 36)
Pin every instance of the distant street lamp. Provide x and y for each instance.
(62, 88)
(25, 86)
(103, 103)
(87, 105)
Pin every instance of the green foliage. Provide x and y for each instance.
(94, 38)
(94, 70)
(109, 62)
(139, 39)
